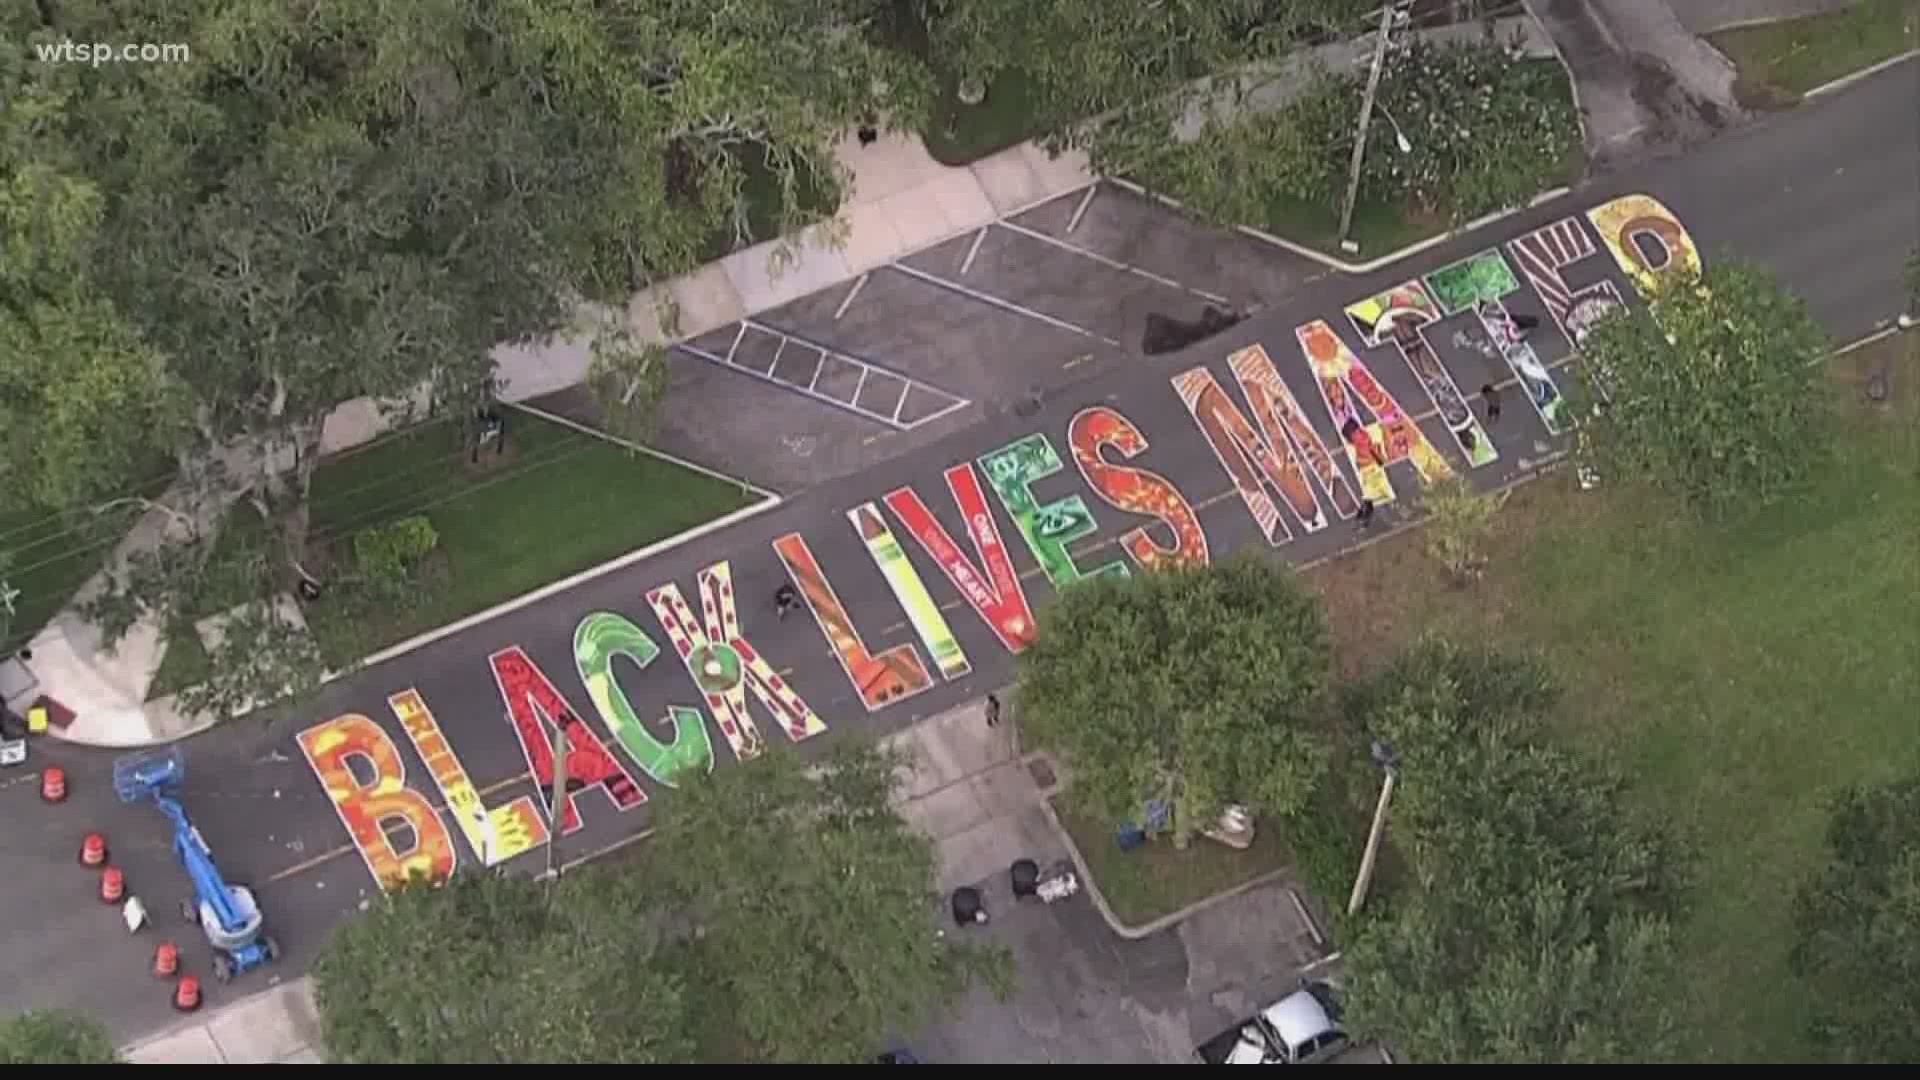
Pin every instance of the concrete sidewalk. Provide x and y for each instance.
(969, 791)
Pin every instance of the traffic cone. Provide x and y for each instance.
(166, 960)
(93, 850)
(186, 994)
(53, 784)
(113, 885)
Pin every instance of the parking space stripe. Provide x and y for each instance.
(1079, 210)
(847, 300)
(1088, 253)
(966, 264)
(1004, 305)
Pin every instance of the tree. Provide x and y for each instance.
(1712, 391)
(1105, 76)
(1856, 942)
(1195, 686)
(1461, 520)
(55, 1037)
(493, 968)
(814, 908)
(337, 201)
(1535, 924)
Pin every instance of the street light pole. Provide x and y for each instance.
(1387, 13)
(1383, 754)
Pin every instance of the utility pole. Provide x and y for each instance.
(1387, 12)
(1383, 754)
(556, 807)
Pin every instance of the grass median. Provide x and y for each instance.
(1780, 61)
(1742, 671)
(555, 501)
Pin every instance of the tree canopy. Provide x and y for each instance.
(494, 967)
(55, 1037)
(1199, 687)
(1712, 391)
(329, 201)
(816, 908)
(781, 912)
(1856, 945)
(1535, 923)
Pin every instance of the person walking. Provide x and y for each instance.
(993, 711)
(1491, 398)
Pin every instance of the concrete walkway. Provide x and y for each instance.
(969, 791)
(1642, 80)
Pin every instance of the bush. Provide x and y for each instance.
(394, 548)
(55, 1037)
(1486, 132)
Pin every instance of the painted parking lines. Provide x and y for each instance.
(832, 376)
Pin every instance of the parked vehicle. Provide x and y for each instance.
(1302, 1028)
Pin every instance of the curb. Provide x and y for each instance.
(1148, 929)
(1870, 70)
(1371, 265)
(534, 596)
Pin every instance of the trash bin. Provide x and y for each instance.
(1024, 877)
(968, 907)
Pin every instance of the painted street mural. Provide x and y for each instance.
(1273, 453)
(1400, 316)
(604, 635)
(1645, 238)
(910, 591)
(1013, 470)
(1136, 491)
(1482, 282)
(537, 710)
(1253, 459)
(495, 835)
(368, 809)
(723, 663)
(1347, 385)
(893, 674)
(995, 594)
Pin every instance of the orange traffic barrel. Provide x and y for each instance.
(53, 784)
(93, 850)
(113, 885)
(186, 994)
(166, 960)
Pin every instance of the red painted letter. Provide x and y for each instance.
(1134, 490)
(533, 704)
(996, 596)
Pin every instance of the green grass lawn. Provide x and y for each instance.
(557, 502)
(1157, 879)
(1741, 671)
(1780, 61)
(960, 134)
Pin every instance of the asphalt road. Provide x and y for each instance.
(1825, 195)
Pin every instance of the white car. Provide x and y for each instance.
(1299, 1029)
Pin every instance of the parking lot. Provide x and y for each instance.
(975, 327)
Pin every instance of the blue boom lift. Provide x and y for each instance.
(226, 913)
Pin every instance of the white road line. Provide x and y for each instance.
(1080, 210)
(737, 335)
(966, 264)
(1104, 260)
(847, 301)
(1005, 305)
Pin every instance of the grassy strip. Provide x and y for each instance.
(1156, 879)
(554, 503)
(1780, 61)
(1742, 671)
